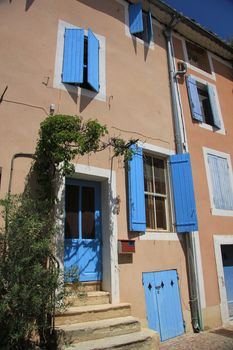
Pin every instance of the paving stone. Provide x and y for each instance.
(216, 339)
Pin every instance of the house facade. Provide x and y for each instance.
(132, 230)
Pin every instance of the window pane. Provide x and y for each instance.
(159, 174)
(71, 208)
(150, 212)
(161, 213)
(148, 177)
(88, 213)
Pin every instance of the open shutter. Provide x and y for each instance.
(212, 96)
(73, 56)
(137, 216)
(183, 193)
(93, 61)
(194, 99)
(135, 18)
(150, 27)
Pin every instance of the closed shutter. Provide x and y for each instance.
(221, 182)
(137, 216)
(93, 61)
(194, 99)
(183, 193)
(135, 18)
(212, 97)
(73, 56)
(150, 27)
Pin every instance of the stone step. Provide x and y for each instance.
(88, 298)
(143, 340)
(88, 313)
(79, 332)
(92, 286)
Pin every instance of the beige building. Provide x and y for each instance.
(110, 61)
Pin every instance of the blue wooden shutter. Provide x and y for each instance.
(150, 27)
(194, 99)
(137, 216)
(93, 61)
(221, 182)
(135, 18)
(73, 56)
(183, 193)
(212, 97)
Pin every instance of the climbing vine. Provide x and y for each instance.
(29, 275)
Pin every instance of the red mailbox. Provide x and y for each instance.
(126, 246)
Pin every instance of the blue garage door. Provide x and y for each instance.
(164, 312)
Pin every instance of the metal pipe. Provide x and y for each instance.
(191, 262)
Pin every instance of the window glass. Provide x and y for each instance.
(72, 209)
(88, 213)
(156, 192)
(205, 104)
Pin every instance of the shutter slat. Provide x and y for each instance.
(73, 56)
(135, 18)
(212, 97)
(194, 99)
(137, 216)
(183, 193)
(93, 61)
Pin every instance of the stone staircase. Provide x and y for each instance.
(92, 323)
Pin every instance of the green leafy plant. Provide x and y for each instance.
(30, 284)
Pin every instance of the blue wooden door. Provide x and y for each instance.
(82, 247)
(227, 258)
(164, 312)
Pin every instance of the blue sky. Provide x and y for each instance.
(215, 15)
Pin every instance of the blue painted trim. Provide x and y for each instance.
(93, 61)
(135, 18)
(194, 101)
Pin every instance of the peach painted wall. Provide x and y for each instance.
(198, 137)
(137, 106)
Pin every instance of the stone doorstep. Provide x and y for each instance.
(80, 332)
(88, 313)
(88, 298)
(143, 340)
(92, 286)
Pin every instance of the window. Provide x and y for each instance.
(148, 192)
(198, 57)
(81, 59)
(203, 103)
(140, 22)
(81, 211)
(80, 62)
(156, 192)
(220, 181)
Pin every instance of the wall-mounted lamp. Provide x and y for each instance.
(182, 69)
(52, 109)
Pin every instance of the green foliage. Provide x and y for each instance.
(28, 275)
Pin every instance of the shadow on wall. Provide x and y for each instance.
(27, 5)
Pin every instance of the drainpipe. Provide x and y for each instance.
(188, 239)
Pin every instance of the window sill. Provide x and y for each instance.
(221, 212)
(213, 129)
(160, 236)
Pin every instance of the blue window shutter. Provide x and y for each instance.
(73, 56)
(221, 182)
(212, 96)
(93, 61)
(183, 193)
(135, 18)
(137, 215)
(150, 27)
(194, 99)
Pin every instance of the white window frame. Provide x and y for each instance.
(151, 45)
(158, 234)
(196, 69)
(57, 81)
(218, 241)
(206, 151)
(207, 126)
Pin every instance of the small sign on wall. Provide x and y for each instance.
(126, 246)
